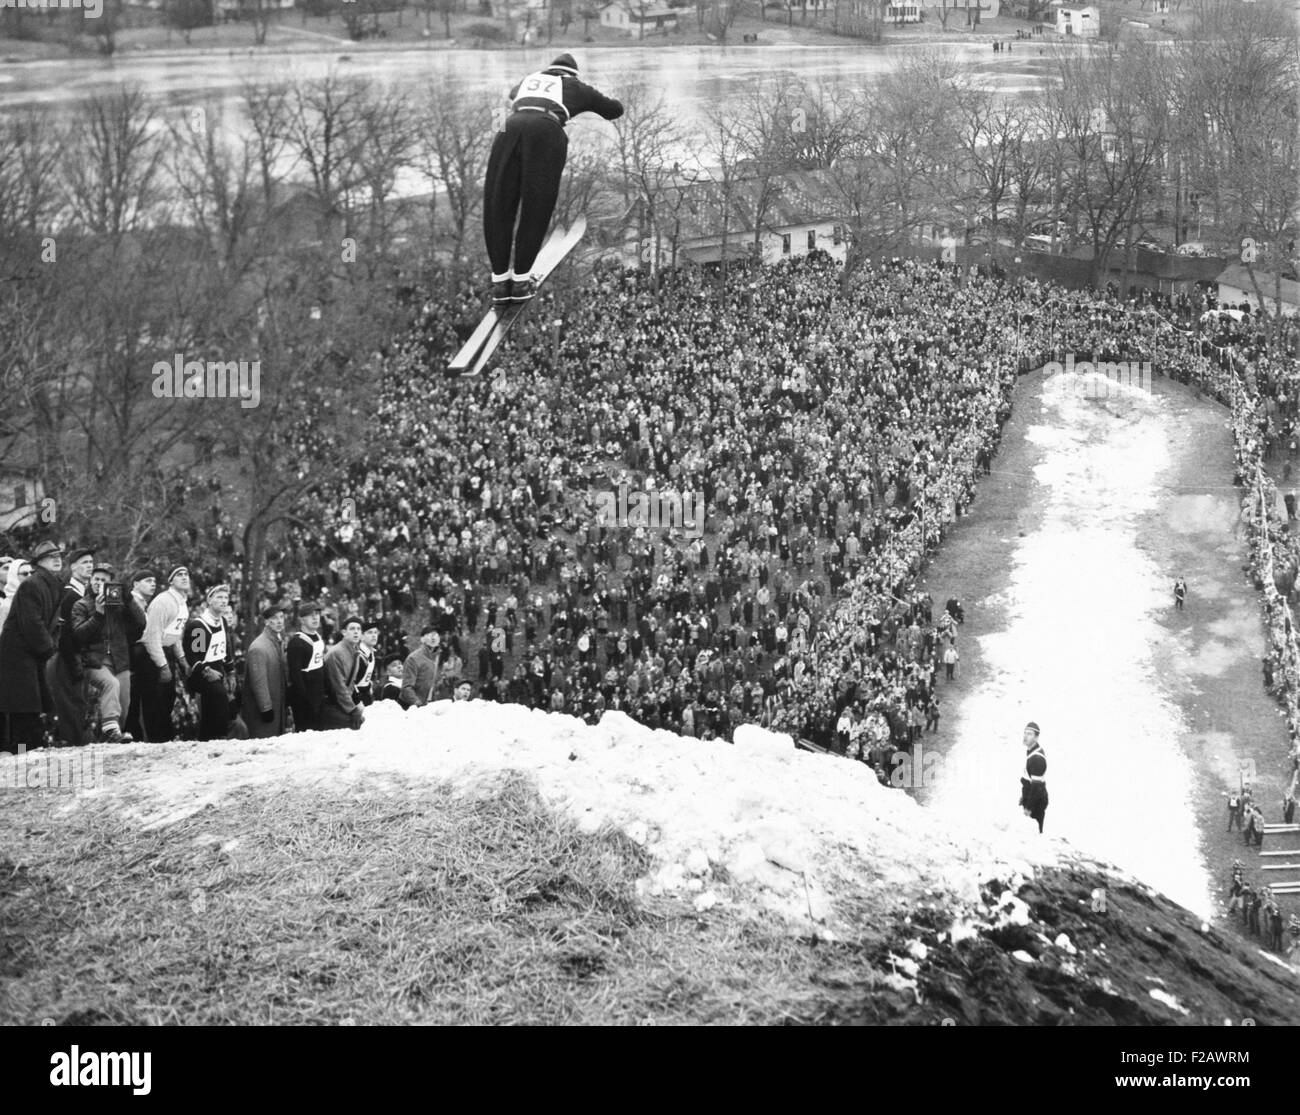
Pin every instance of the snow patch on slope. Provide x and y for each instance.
(757, 823)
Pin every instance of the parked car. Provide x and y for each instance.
(1038, 243)
(1192, 248)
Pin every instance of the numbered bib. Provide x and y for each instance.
(317, 652)
(547, 87)
(216, 645)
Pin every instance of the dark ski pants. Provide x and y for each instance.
(157, 698)
(215, 715)
(523, 181)
(1033, 799)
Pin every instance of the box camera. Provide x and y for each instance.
(114, 594)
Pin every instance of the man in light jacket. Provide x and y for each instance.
(264, 677)
(164, 661)
(421, 670)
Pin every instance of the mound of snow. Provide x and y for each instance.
(758, 822)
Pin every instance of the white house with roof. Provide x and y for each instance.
(801, 215)
(988, 9)
(903, 11)
(1084, 22)
(627, 15)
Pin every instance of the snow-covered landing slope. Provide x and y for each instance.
(793, 830)
(964, 920)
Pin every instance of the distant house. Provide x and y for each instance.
(801, 215)
(905, 11)
(988, 9)
(1083, 22)
(21, 494)
(1235, 287)
(626, 15)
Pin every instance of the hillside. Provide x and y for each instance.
(480, 863)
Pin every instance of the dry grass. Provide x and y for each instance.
(403, 904)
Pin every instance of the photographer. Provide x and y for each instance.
(104, 625)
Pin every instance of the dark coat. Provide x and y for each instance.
(105, 638)
(28, 640)
(264, 686)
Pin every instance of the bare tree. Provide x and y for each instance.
(30, 154)
(110, 172)
(646, 137)
(1107, 117)
(216, 182)
(326, 134)
(453, 138)
(389, 135)
(267, 108)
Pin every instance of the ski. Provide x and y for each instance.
(500, 319)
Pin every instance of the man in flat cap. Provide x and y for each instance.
(103, 630)
(144, 586)
(64, 671)
(1033, 782)
(365, 688)
(343, 667)
(210, 657)
(305, 655)
(422, 669)
(265, 673)
(27, 642)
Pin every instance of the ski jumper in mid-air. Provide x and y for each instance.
(524, 169)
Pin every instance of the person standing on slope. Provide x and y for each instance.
(524, 169)
(1033, 783)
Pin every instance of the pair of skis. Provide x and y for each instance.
(475, 353)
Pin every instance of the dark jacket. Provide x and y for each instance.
(104, 639)
(264, 685)
(535, 91)
(29, 638)
(68, 650)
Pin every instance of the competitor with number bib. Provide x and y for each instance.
(524, 169)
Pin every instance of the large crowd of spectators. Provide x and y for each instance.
(833, 431)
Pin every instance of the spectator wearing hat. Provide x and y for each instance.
(104, 631)
(420, 671)
(365, 688)
(305, 655)
(210, 660)
(392, 690)
(343, 667)
(165, 622)
(1033, 782)
(27, 642)
(15, 572)
(265, 673)
(144, 584)
(64, 672)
